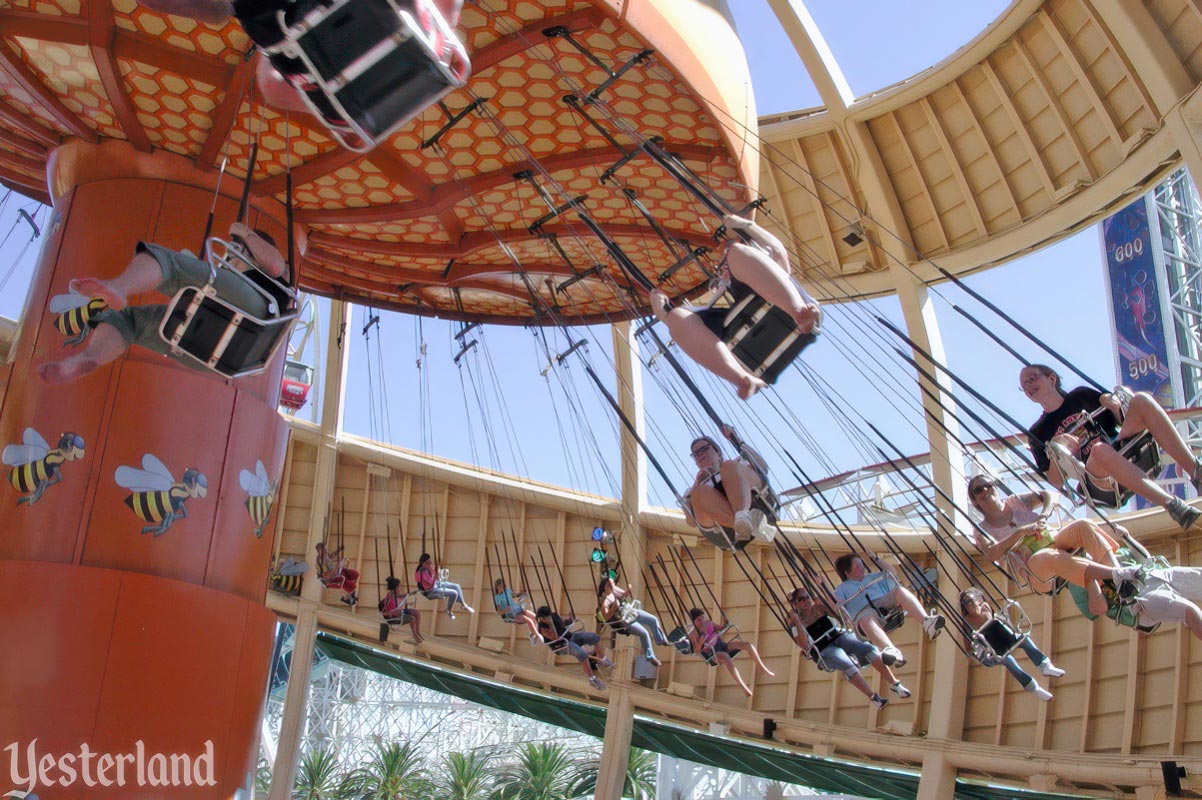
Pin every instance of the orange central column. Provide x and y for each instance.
(133, 552)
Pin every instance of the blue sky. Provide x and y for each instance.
(557, 430)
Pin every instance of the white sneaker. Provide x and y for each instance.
(1050, 669)
(745, 524)
(893, 657)
(878, 701)
(536, 639)
(1040, 692)
(933, 625)
(899, 689)
(762, 530)
(604, 662)
(468, 609)
(596, 682)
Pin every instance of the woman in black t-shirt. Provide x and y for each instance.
(1091, 444)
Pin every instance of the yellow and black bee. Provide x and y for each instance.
(157, 497)
(262, 496)
(36, 466)
(76, 314)
(287, 576)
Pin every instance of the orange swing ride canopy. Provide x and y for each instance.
(437, 230)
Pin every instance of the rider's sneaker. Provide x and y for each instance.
(1182, 513)
(899, 689)
(596, 682)
(878, 701)
(747, 523)
(604, 662)
(1037, 690)
(893, 657)
(933, 625)
(1051, 670)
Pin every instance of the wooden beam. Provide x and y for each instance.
(481, 599)
(29, 127)
(447, 195)
(1042, 732)
(151, 50)
(1113, 43)
(987, 146)
(412, 179)
(48, 101)
(23, 181)
(945, 144)
(1034, 153)
(811, 188)
(22, 145)
(922, 181)
(1084, 77)
(102, 28)
(44, 28)
(227, 112)
(34, 165)
(329, 161)
(1181, 662)
(476, 241)
(1053, 103)
(1131, 696)
(1087, 680)
(531, 35)
(853, 197)
(281, 503)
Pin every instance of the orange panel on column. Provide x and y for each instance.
(114, 635)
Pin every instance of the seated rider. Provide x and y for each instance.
(333, 573)
(977, 612)
(1102, 461)
(433, 587)
(708, 643)
(1167, 595)
(1015, 529)
(509, 606)
(818, 633)
(167, 271)
(555, 631)
(395, 612)
(613, 603)
(863, 594)
(719, 502)
(760, 268)
(280, 88)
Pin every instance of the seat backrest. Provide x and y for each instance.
(763, 338)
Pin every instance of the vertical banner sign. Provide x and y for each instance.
(1136, 310)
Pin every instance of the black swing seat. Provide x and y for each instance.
(822, 632)
(1141, 450)
(376, 63)
(762, 337)
(209, 332)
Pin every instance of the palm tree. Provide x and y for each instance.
(320, 777)
(466, 776)
(543, 772)
(394, 772)
(640, 776)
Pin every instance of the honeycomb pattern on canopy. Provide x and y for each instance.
(175, 111)
(457, 202)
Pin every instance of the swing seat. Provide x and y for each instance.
(995, 640)
(679, 638)
(762, 337)
(373, 64)
(891, 618)
(1141, 450)
(211, 333)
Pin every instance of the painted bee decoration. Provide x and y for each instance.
(287, 575)
(156, 496)
(76, 314)
(262, 496)
(35, 466)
